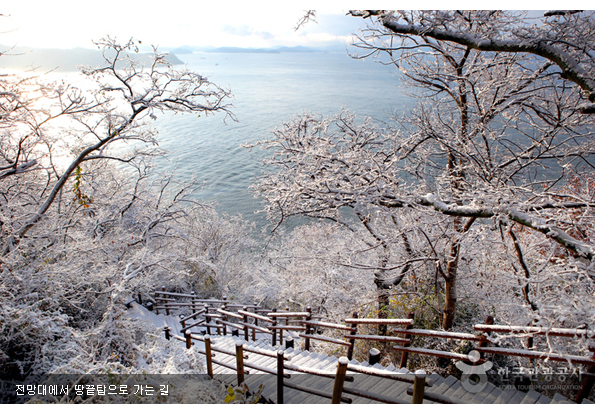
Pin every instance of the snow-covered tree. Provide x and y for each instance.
(309, 268)
(124, 94)
(562, 37)
(494, 139)
(84, 223)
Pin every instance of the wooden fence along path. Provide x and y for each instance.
(262, 342)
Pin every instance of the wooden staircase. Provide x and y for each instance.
(261, 364)
(445, 390)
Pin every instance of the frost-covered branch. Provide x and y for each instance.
(513, 213)
(102, 118)
(517, 37)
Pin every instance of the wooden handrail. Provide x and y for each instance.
(265, 352)
(407, 378)
(327, 325)
(325, 339)
(286, 327)
(229, 313)
(553, 332)
(440, 334)
(256, 316)
(166, 299)
(314, 371)
(538, 355)
(232, 325)
(433, 352)
(255, 327)
(192, 316)
(375, 321)
(289, 314)
(381, 338)
(171, 305)
(199, 322)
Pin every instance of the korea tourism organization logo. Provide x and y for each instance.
(474, 378)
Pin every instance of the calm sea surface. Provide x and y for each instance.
(268, 90)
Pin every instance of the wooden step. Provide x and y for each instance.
(531, 397)
(518, 397)
(491, 397)
(505, 396)
(480, 396)
(458, 394)
(543, 400)
(560, 399)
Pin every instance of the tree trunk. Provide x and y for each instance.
(450, 283)
(383, 287)
(383, 295)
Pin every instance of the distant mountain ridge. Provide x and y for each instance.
(64, 60)
(234, 49)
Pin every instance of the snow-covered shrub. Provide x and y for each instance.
(84, 221)
(310, 268)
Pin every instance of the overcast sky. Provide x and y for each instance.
(170, 23)
(67, 24)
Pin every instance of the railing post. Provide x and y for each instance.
(353, 331)
(183, 321)
(225, 317)
(167, 334)
(489, 321)
(308, 329)
(165, 302)
(280, 368)
(246, 330)
(374, 357)
(193, 301)
(140, 298)
(188, 339)
(209, 355)
(207, 319)
(587, 384)
(405, 355)
(255, 323)
(339, 379)
(419, 386)
(289, 343)
(156, 305)
(240, 362)
(274, 337)
(285, 322)
(485, 343)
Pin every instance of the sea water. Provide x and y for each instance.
(268, 89)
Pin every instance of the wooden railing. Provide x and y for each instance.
(243, 364)
(218, 314)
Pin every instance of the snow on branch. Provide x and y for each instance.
(535, 42)
(516, 215)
